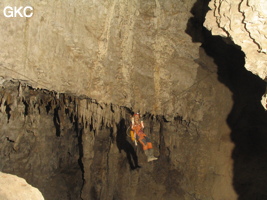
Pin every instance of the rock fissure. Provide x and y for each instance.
(244, 21)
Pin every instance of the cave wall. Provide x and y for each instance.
(129, 53)
(34, 147)
(83, 68)
(69, 146)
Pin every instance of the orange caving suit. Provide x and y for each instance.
(141, 136)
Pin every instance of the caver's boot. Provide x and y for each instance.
(147, 153)
(150, 155)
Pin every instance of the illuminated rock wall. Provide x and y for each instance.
(130, 53)
(245, 22)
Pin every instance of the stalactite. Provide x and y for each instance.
(89, 112)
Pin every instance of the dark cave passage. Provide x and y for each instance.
(247, 118)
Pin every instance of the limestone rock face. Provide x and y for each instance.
(13, 187)
(75, 148)
(70, 78)
(245, 22)
(131, 53)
